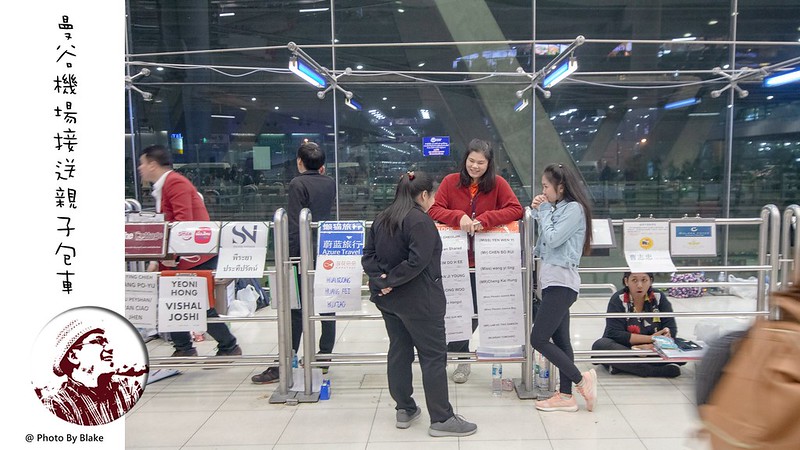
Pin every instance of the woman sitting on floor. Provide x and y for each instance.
(625, 333)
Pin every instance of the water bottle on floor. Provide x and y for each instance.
(543, 378)
(497, 380)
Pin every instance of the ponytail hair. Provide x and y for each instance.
(408, 189)
(562, 175)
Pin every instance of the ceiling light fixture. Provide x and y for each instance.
(560, 73)
(310, 10)
(779, 79)
(309, 70)
(303, 70)
(352, 104)
(682, 103)
(522, 104)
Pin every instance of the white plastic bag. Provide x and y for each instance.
(746, 291)
(244, 305)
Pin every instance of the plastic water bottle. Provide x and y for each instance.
(325, 390)
(497, 380)
(721, 279)
(543, 378)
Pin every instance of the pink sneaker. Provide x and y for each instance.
(588, 388)
(558, 403)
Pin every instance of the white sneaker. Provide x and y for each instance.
(461, 374)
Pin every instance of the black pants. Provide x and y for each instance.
(428, 336)
(641, 369)
(326, 339)
(552, 321)
(463, 346)
(182, 340)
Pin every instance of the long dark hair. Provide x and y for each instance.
(410, 186)
(561, 174)
(487, 181)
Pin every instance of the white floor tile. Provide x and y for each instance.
(605, 422)
(682, 420)
(500, 423)
(597, 444)
(162, 428)
(242, 428)
(311, 426)
(439, 444)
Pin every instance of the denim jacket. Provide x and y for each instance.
(561, 233)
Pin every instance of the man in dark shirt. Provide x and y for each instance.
(316, 191)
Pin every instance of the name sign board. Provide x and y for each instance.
(243, 250)
(693, 238)
(193, 238)
(141, 298)
(646, 246)
(337, 279)
(456, 283)
(145, 240)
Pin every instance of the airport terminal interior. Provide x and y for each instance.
(669, 110)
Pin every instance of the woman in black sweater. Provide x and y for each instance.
(623, 333)
(402, 259)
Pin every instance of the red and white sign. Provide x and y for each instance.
(145, 240)
(193, 238)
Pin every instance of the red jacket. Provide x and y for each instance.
(496, 207)
(180, 202)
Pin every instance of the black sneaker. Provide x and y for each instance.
(235, 351)
(404, 418)
(271, 375)
(185, 353)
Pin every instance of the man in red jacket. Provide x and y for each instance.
(177, 198)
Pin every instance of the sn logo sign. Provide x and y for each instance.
(241, 235)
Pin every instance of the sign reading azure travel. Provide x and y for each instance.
(436, 146)
(243, 250)
(337, 280)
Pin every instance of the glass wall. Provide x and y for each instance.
(225, 103)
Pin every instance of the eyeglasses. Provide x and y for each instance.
(99, 340)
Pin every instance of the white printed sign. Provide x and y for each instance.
(646, 245)
(243, 250)
(498, 276)
(695, 238)
(455, 280)
(141, 298)
(337, 278)
(194, 238)
(182, 303)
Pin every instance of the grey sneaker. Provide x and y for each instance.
(454, 426)
(461, 374)
(404, 418)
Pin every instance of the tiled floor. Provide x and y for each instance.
(220, 408)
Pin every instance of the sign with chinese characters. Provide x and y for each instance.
(141, 299)
(65, 107)
(646, 245)
(192, 238)
(693, 238)
(337, 279)
(182, 302)
(145, 240)
(498, 280)
(242, 250)
(456, 283)
(436, 146)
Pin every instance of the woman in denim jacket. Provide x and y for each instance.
(565, 231)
